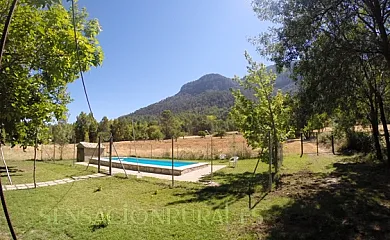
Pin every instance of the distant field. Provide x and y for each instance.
(191, 147)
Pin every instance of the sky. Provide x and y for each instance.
(153, 47)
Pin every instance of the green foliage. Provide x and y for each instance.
(340, 55)
(220, 133)
(102, 221)
(268, 113)
(62, 134)
(154, 132)
(104, 128)
(202, 134)
(86, 128)
(39, 61)
(357, 142)
(169, 124)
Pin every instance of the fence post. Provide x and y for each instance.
(110, 156)
(270, 160)
(173, 179)
(99, 155)
(317, 142)
(333, 145)
(301, 144)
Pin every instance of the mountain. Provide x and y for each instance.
(210, 94)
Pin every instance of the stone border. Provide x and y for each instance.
(167, 170)
(51, 183)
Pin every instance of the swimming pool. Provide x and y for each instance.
(151, 165)
(163, 162)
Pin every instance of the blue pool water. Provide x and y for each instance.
(166, 163)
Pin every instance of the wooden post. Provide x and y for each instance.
(54, 151)
(74, 151)
(110, 157)
(207, 151)
(173, 179)
(301, 144)
(99, 142)
(317, 142)
(270, 161)
(333, 145)
(211, 157)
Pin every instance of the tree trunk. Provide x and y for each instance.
(375, 132)
(35, 162)
(385, 129)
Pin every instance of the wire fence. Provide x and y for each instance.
(194, 148)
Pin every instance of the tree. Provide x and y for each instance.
(202, 134)
(93, 128)
(154, 132)
(104, 128)
(118, 129)
(82, 127)
(343, 52)
(62, 133)
(268, 113)
(169, 124)
(39, 61)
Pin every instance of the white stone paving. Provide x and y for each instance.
(51, 183)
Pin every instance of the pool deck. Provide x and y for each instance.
(193, 176)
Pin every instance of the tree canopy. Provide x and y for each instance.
(39, 61)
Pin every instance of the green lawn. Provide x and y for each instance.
(149, 208)
(22, 171)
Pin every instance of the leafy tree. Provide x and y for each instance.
(39, 61)
(154, 132)
(169, 125)
(62, 133)
(104, 129)
(220, 133)
(343, 51)
(202, 134)
(93, 129)
(267, 113)
(118, 129)
(82, 127)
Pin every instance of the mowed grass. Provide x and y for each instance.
(149, 208)
(21, 171)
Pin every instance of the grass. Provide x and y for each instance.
(315, 199)
(21, 171)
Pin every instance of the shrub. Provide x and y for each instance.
(102, 221)
(220, 133)
(357, 142)
(202, 133)
(325, 138)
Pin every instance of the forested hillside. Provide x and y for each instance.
(209, 95)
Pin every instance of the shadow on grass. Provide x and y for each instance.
(233, 187)
(353, 202)
(13, 171)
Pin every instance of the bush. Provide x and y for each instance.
(357, 142)
(325, 138)
(220, 133)
(202, 133)
(103, 221)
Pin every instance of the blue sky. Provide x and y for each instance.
(153, 47)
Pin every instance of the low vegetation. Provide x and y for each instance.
(317, 196)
